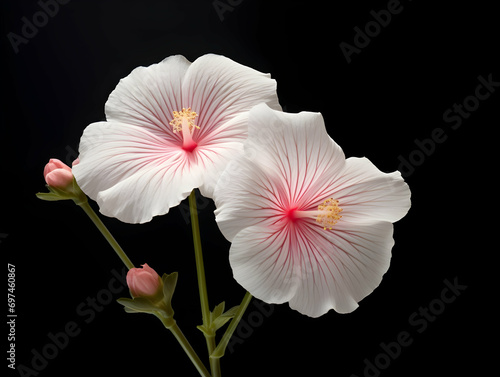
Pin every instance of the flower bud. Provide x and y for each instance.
(151, 294)
(143, 282)
(61, 183)
(57, 174)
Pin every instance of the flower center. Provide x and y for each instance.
(184, 122)
(328, 214)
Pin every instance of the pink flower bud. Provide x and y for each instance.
(143, 281)
(57, 174)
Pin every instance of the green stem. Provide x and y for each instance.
(168, 322)
(171, 325)
(214, 363)
(105, 232)
(202, 284)
(221, 348)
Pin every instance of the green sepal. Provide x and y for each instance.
(137, 305)
(72, 192)
(53, 195)
(169, 284)
(48, 196)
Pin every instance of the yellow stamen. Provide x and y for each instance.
(329, 213)
(184, 117)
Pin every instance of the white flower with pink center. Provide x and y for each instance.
(307, 225)
(170, 127)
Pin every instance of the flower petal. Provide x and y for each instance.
(54, 164)
(367, 194)
(313, 269)
(132, 173)
(218, 149)
(339, 267)
(263, 263)
(148, 96)
(246, 195)
(297, 148)
(218, 89)
(59, 178)
(287, 162)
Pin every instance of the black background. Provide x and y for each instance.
(395, 90)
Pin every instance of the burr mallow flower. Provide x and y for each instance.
(170, 127)
(307, 225)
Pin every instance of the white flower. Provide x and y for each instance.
(307, 226)
(171, 127)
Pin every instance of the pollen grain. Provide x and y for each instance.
(185, 115)
(329, 213)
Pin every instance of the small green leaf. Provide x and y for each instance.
(205, 331)
(231, 312)
(169, 283)
(222, 319)
(219, 318)
(48, 196)
(70, 192)
(218, 310)
(131, 311)
(137, 305)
